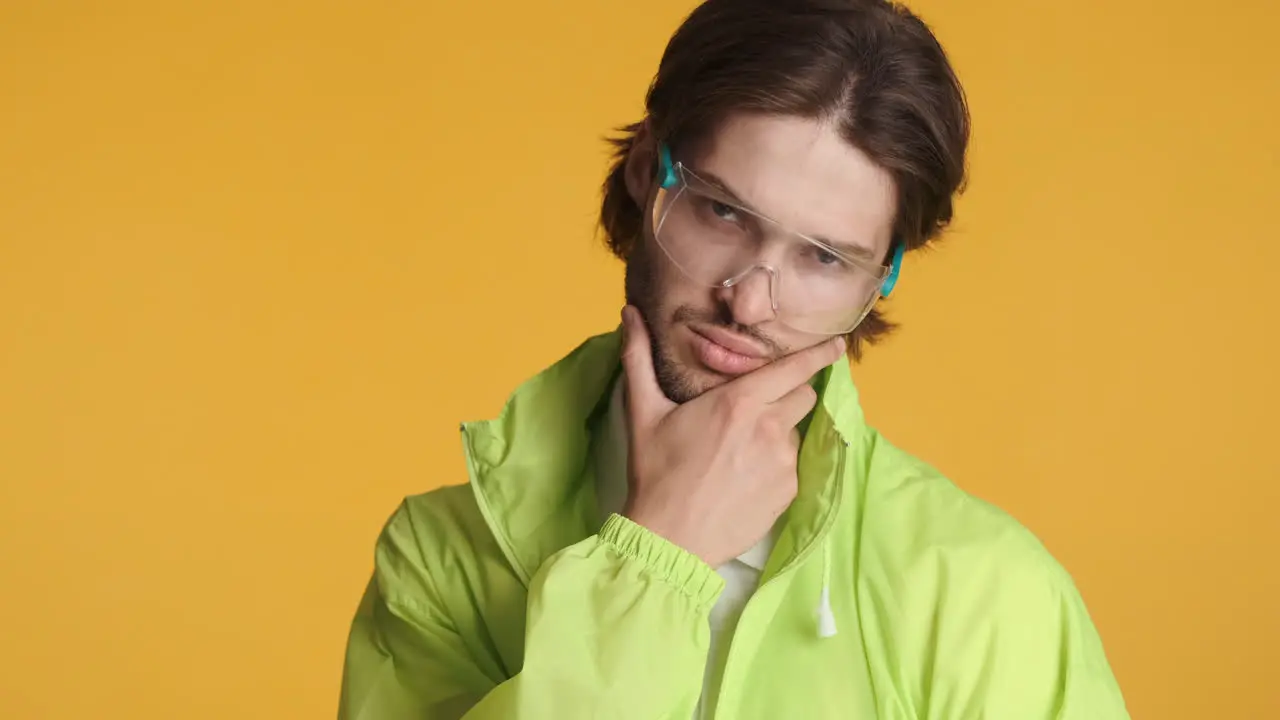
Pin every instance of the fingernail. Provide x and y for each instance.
(841, 344)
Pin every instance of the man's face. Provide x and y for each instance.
(796, 171)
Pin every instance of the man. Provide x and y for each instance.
(690, 518)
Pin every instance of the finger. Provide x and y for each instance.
(791, 408)
(782, 376)
(645, 399)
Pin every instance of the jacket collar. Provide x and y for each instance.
(532, 472)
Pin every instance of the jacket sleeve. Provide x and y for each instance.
(616, 626)
(1021, 646)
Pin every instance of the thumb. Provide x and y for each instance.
(645, 399)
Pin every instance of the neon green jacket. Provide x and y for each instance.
(506, 599)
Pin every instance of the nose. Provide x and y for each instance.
(749, 296)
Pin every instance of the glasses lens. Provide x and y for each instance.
(713, 241)
(823, 292)
(706, 237)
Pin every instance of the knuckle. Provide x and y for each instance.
(773, 427)
(789, 461)
(787, 488)
(809, 395)
(722, 410)
(837, 349)
(732, 405)
(830, 352)
(766, 428)
(785, 447)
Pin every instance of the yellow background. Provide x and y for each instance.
(258, 259)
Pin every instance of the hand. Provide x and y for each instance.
(713, 475)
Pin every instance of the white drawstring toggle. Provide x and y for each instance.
(826, 618)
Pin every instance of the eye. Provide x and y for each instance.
(825, 257)
(724, 211)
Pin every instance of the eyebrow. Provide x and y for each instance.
(853, 250)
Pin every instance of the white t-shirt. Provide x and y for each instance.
(741, 575)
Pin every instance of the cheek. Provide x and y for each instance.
(648, 286)
(675, 290)
(666, 287)
(796, 342)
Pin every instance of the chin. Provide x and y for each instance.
(680, 375)
(703, 379)
(689, 384)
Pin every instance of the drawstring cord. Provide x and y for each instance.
(826, 618)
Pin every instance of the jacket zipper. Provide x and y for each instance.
(795, 562)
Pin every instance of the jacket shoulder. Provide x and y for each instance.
(438, 561)
(431, 542)
(922, 517)
(971, 601)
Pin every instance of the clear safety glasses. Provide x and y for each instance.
(714, 241)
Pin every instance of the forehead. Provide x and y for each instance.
(801, 173)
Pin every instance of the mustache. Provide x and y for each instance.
(688, 314)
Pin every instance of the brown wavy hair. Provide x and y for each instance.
(872, 67)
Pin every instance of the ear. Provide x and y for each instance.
(641, 165)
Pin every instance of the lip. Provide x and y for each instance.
(732, 342)
(727, 353)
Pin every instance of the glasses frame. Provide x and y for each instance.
(673, 177)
